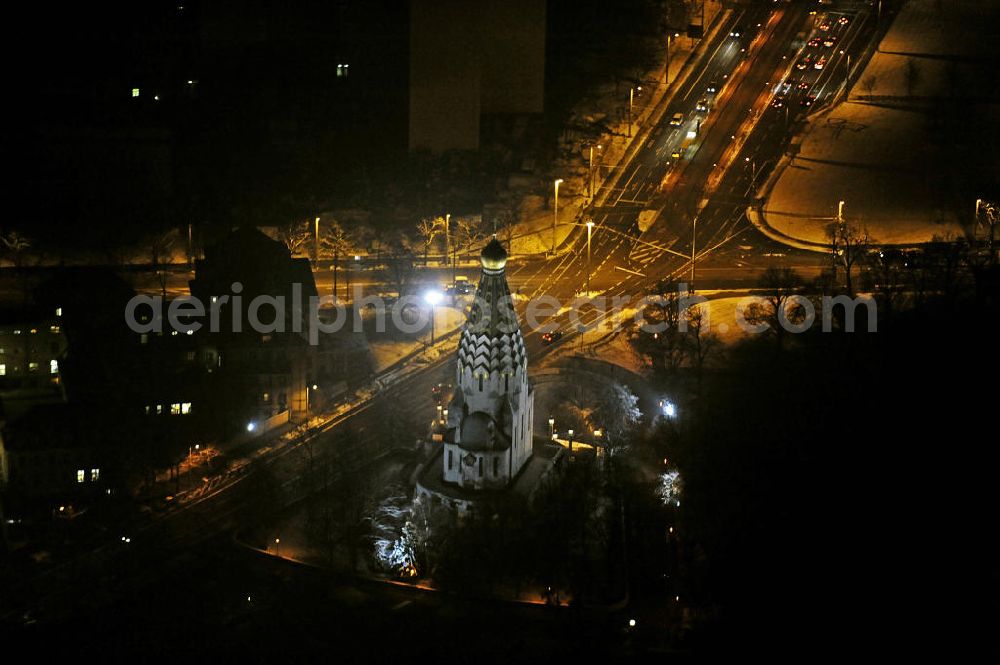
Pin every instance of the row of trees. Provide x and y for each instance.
(332, 240)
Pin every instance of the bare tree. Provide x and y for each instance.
(399, 264)
(849, 244)
(428, 229)
(15, 248)
(702, 343)
(160, 247)
(780, 284)
(295, 235)
(334, 242)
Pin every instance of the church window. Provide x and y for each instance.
(480, 467)
(449, 460)
(495, 462)
(480, 383)
(506, 382)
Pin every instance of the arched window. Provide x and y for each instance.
(480, 467)
(480, 383)
(495, 461)
(506, 382)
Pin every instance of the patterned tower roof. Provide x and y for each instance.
(491, 339)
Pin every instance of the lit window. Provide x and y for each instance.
(17, 332)
(3, 369)
(32, 367)
(185, 408)
(135, 92)
(53, 366)
(143, 338)
(159, 409)
(267, 397)
(342, 71)
(173, 332)
(34, 331)
(95, 475)
(54, 329)
(80, 475)
(190, 355)
(58, 311)
(175, 409)
(147, 409)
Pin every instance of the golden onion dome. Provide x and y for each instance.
(494, 257)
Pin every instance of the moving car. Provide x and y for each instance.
(677, 152)
(807, 100)
(440, 391)
(803, 85)
(737, 31)
(830, 41)
(551, 337)
(777, 102)
(701, 106)
(803, 63)
(819, 64)
(676, 120)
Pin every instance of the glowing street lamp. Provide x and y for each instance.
(631, 98)
(590, 227)
(668, 408)
(555, 213)
(552, 427)
(432, 298)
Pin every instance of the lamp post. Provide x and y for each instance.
(555, 213)
(590, 226)
(590, 171)
(447, 244)
(277, 546)
(316, 241)
(570, 434)
(631, 98)
(432, 298)
(552, 427)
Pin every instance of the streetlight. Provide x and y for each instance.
(555, 213)
(432, 298)
(570, 433)
(447, 244)
(668, 408)
(631, 97)
(666, 68)
(316, 241)
(590, 171)
(590, 227)
(552, 427)
(840, 212)
(277, 546)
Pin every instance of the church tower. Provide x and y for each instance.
(489, 427)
